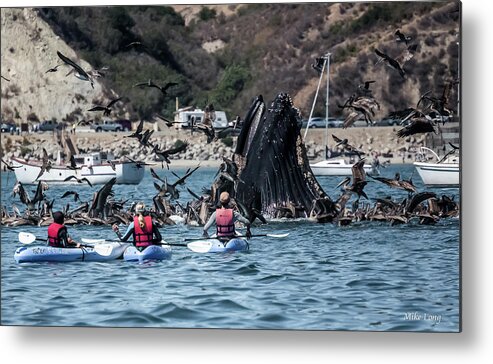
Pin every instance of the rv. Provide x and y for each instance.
(183, 117)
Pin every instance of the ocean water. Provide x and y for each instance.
(368, 276)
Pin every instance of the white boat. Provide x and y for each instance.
(335, 167)
(444, 173)
(96, 167)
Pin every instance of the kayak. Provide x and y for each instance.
(26, 254)
(152, 252)
(216, 246)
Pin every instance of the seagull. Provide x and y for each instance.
(390, 62)
(149, 83)
(106, 109)
(81, 180)
(79, 72)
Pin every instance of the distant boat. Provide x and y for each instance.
(96, 167)
(335, 167)
(443, 174)
(331, 167)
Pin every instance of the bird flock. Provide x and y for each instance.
(103, 209)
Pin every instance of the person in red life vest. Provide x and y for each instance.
(143, 229)
(224, 217)
(57, 233)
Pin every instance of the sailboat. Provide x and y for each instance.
(330, 166)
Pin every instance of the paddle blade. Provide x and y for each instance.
(26, 238)
(277, 235)
(93, 241)
(104, 249)
(200, 246)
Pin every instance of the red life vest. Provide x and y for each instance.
(53, 231)
(143, 237)
(225, 223)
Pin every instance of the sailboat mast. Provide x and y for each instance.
(327, 60)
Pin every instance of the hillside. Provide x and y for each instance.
(224, 54)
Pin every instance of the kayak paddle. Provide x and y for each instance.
(242, 236)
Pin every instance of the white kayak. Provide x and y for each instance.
(104, 252)
(152, 252)
(216, 246)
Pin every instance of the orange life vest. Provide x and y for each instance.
(225, 223)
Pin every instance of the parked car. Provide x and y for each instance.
(319, 122)
(49, 125)
(8, 127)
(110, 125)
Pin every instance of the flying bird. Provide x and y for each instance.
(79, 71)
(78, 180)
(45, 164)
(163, 89)
(168, 122)
(391, 62)
(106, 109)
(348, 147)
(68, 193)
(54, 69)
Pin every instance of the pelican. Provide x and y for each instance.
(46, 164)
(391, 62)
(81, 180)
(149, 83)
(106, 109)
(79, 72)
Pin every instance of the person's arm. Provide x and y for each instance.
(128, 233)
(238, 217)
(212, 220)
(157, 234)
(65, 240)
(241, 218)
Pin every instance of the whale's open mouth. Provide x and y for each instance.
(273, 169)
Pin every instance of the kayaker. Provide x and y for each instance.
(57, 233)
(224, 217)
(142, 229)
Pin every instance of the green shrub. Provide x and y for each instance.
(207, 13)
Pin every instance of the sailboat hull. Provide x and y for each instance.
(335, 167)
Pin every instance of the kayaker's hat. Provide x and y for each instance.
(58, 217)
(140, 207)
(224, 197)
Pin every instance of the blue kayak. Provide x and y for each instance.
(28, 254)
(216, 246)
(153, 252)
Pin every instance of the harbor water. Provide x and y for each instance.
(365, 276)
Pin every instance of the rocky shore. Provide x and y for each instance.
(381, 140)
